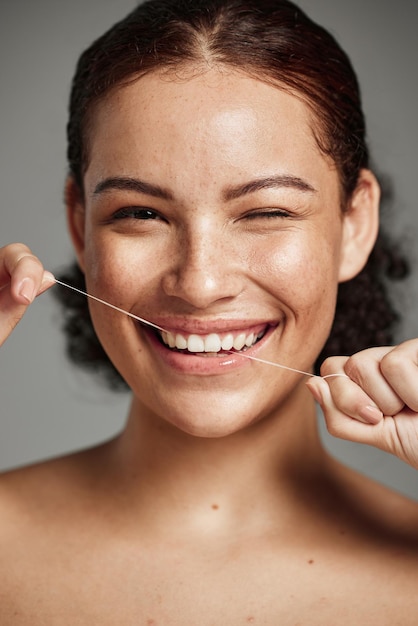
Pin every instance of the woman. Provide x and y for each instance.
(219, 187)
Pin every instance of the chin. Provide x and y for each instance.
(211, 415)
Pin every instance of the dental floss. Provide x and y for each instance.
(146, 322)
(112, 306)
(285, 367)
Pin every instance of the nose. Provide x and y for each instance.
(204, 269)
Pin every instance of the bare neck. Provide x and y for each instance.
(201, 481)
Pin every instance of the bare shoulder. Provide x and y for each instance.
(42, 492)
(49, 526)
(387, 514)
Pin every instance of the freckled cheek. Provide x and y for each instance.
(303, 276)
(116, 270)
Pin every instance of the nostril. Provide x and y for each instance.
(201, 288)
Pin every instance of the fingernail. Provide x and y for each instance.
(371, 414)
(48, 277)
(316, 393)
(27, 290)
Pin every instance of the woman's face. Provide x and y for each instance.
(210, 211)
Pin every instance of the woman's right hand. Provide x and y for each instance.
(22, 278)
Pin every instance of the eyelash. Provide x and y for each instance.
(272, 213)
(145, 214)
(136, 213)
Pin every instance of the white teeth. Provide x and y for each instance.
(250, 340)
(239, 342)
(171, 340)
(212, 343)
(195, 344)
(228, 342)
(181, 342)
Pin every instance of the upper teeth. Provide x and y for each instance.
(210, 343)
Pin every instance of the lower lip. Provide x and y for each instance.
(202, 365)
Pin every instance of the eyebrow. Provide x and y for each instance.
(124, 183)
(271, 182)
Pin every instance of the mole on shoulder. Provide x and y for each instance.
(215, 507)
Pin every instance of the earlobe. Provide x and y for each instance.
(360, 226)
(75, 218)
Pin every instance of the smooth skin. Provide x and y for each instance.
(217, 503)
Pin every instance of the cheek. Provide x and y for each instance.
(116, 268)
(304, 271)
(117, 273)
(105, 275)
(305, 279)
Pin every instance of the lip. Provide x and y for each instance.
(195, 364)
(206, 327)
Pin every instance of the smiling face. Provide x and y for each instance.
(210, 211)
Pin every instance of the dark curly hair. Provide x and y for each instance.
(273, 41)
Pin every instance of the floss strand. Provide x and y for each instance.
(146, 322)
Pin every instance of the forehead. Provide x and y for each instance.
(192, 88)
(210, 120)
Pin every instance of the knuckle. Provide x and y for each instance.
(18, 255)
(330, 365)
(27, 255)
(392, 363)
(326, 367)
(357, 367)
(16, 249)
(30, 264)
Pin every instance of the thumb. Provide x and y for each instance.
(319, 390)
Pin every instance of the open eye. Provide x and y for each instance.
(136, 213)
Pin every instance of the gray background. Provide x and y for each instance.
(47, 407)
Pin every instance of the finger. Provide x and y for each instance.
(22, 278)
(349, 397)
(399, 366)
(341, 395)
(365, 368)
(24, 272)
(48, 279)
(389, 434)
(12, 312)
(338, 423)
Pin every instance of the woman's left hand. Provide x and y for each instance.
(374, 398)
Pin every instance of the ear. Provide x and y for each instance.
(75, 218)
(360, 226)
